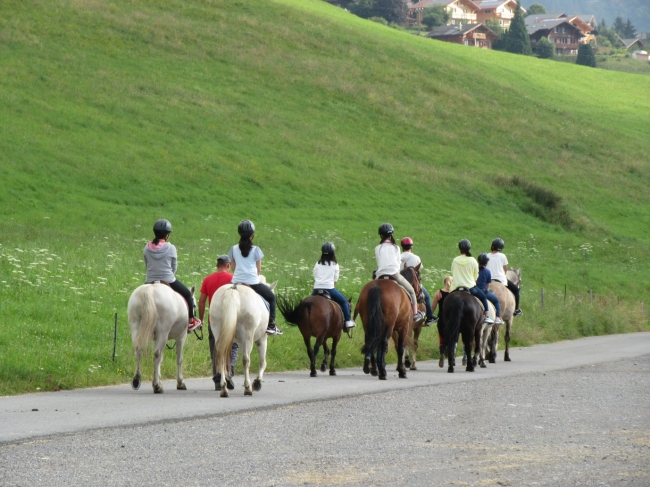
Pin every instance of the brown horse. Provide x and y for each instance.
(386, 311)
(316, 316)
(507, 302)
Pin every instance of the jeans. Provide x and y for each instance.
(181, 289)
(481, 295)
(341, 301)
(495, 301)
(514, 290)
(267, 293)
(427, 303)
(216, 376)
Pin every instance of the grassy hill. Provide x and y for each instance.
(317, 125)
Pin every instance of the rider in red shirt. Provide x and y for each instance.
(209, 286)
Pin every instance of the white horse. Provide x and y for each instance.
(157, 313)
(237, 313)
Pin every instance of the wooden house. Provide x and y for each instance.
(502, 11)
(561, 32)
(459, 10)
(475, 35)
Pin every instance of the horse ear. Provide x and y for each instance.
(193, 288)
(272, 286)
(417, 267)
(406, 266)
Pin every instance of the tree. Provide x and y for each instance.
(545, 49)
(391, 10)
(435, 16)
(628, 30)
(517, 40)
(494, 26)
(586, 56)
(619, 26)
(536, 9)
(362, 8)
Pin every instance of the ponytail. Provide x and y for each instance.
(245, 246)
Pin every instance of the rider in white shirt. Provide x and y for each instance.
(409, 259)
(498, 266)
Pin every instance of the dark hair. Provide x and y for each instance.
(159, 236)
(245, 246)
(328, 258)
(407, 246)
(390, 237)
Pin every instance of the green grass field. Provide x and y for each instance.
(317, 125)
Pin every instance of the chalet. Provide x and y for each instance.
(586, 24)
(561, 32)
(632, 43)
(502, 11)
(459, 10)
(476, 35)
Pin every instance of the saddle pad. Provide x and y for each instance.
(266, 303)
(466, 290)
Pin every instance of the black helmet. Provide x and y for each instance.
(483, 259)
(386, 229)
(498, 244)
(162, 227)
(464, 245)
(328, 248)
(246, 228)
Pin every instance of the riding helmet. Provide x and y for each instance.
(328, 248)
(162, 227)
(407, 241)
(246, 228)
(498, 244)
(386, 229)
(483, 259)
(464, 245)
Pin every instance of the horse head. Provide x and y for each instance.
(412, 275)
(514, 275)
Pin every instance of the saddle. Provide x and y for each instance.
(266, 303)
(324, 293)
(158, 282)
(464, 289)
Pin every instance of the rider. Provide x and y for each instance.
(246, 261)
(210, 286)
(438, 300)
(160, 257)
(498, 266)
(485, 278)
(409, 259)
(326, 273)
(389, 264)
(464, 270)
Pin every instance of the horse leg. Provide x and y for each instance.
(246, 359)
(312, 356)
(477, 345)
(404, 358)
(400, 353)
(335, 342)
(326, 352)
(506, 356)
(180, 343)
(157, 360)
(414, 348)
(451, 355)
(464, 357)
(381, 357)
(137, 377)
(482, 350)
(319, 341)
(467, 346)
(373, 365)
(261, 351)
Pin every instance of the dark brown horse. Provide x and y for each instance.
(385, 310)
(462, 314)
(318, 317)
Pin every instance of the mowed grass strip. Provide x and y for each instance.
(318, 126)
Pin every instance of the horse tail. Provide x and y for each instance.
(229, 310)
(455, 314)
(375, 320)
(148, 319)
(290, 308)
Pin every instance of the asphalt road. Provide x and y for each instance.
(572, 413)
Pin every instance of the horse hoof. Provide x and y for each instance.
(492, 361)
(441, 362)
(483, 366)
(332, 372)
(224, 393)
(323, 368)
(402, 375)
(464, 361)
(230, 384)
(313, 374)
(248, 393)
(407, 363)
(450, 370)
(181, 386)
(257, 385)
(158, 389)
(136, 384)
(366, 366)
(382, 377)
(470, 368)
(374, 372)
(507, 358)
(413, 367)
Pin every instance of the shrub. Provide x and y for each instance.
(545, 49)
(379, 20)
(586, 56)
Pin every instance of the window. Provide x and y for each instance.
(488, 11)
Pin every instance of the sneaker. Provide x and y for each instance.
(349, 324)
(498, 321)
(418, 316)
(518, 312)
(273, 330)
(194, 324)
(430, 321)
(488, 320)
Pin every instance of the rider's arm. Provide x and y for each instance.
(436, 298)
(505, 270)
(202, 301)
(259, 266)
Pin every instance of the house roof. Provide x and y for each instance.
(582, 20)
(533, 26)
(458, 29)
(630, 42)
(431, 3)
(494, 3)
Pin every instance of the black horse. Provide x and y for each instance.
(462, 315)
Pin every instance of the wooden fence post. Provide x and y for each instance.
(591, 297)
(542, 298)
(115, 337)
(565, 294)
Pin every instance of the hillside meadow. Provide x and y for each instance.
(317, 125)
